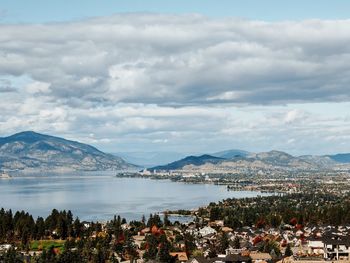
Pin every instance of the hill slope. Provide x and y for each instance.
(190, 160)
(38, 151)
(229, 154)
(341, 157)
(272, 160)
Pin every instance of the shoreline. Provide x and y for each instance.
(167, 196)
(5, 176)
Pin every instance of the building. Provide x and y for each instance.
(337, 247)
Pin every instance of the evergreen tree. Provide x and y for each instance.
(223, 243)
(236, 243)
(166, 221)
(189, 243)
(143, 220)
(288, 251)
(164, 249)
(151, 247)
(212, 252)
(40, 228)
(11, 256)
(77, 228)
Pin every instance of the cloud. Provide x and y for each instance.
(179, 82)
(6, 86)
(182, 60)
(293, 116)
(38, 87)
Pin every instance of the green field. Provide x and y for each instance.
(45, 244)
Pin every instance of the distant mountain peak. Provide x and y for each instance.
(27, 134)
(273, 159)
(340, 157)
(203, 156)
(189, 160)
(230, 154)
(29, 149)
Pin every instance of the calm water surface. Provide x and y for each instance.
(102, 196)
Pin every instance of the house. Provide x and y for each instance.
(310, 260)
(125, 226)
(5, 247)
(199, 259)
(86, 224)
(232, 258)
(138, 240)
(207, 231)
(180, 256)
(260, 257)
(145, 231)
(315, 246)
(236, 258)
(217, 223)
(226, 229)
(336, 247)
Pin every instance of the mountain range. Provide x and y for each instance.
(190, 160)
(341, 157)
(238, 160)
(31, 150)
(229, 154)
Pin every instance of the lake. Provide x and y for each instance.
(101, 196)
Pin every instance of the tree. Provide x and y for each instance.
(130, 248)
(77, 228)
(223, 243)
(166, 220)
(288, 251)
(151, 247)
(236, 243)
(189, 243)
(11, 256)
(270, 246)
(164, 249)
(154, 220)
(40, 228)
(215, 213)
(48, 255)
(62, 227)
(212, 252)
(70, 256)
(113, 259)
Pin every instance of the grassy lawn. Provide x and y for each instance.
(45, 244)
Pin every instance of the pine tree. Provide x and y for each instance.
(288, 251)
(224, 243)
(236, 243)
(164, 250)
(189, 243)
(166, 220)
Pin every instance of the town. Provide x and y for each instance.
(332, 182)
(297, 227)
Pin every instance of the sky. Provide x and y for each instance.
(179, 76)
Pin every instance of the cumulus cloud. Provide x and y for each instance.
(182, 60)
(293, 115)
(38, 87)
(184, 83)
(6, 86)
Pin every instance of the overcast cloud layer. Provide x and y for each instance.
(180, 83)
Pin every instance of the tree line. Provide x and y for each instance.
(272, 211)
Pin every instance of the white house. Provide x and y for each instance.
(207, 231)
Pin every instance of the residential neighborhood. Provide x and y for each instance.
(219, 232)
